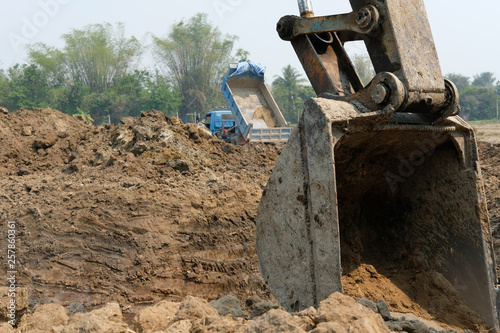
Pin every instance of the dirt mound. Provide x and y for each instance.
(150, 210)
(134, 214)
(490, 166)
(264, 114)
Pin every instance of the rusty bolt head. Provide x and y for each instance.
(364, 18)
(285, 27)
(379, 93)
(367, 19)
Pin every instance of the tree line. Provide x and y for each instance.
(479, 95)
(96, 75)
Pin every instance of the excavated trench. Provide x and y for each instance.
(411, 225)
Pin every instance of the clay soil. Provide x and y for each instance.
(264, 114)
(137, 213)
(149, 210)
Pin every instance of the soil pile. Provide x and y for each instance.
(264, 114)
(489, 154)
(147, 211)
(134, 214)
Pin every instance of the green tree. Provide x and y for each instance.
(141, 91)
(100, 55)
(460, 81)
(290, 94)
(242, 55)
(92, 76)
(27, 87)
(160, 96)
(364, 68)
(93, 60)
(125, 97)
(485, 79)
(478, 103)
(195, 55)
(4, 89)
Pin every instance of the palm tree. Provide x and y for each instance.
(289, 92)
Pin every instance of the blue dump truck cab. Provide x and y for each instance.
(220, 121)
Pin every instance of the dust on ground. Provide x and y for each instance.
(150, 210)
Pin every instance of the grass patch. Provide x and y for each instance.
(483, 122)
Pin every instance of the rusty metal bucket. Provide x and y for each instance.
(352, 188)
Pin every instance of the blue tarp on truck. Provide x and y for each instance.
(250, 69)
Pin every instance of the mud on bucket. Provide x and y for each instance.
(406, 200)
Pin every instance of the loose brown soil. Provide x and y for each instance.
(152, 210)
(146, 211)
(264, 114)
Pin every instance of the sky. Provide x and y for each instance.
(466, 35)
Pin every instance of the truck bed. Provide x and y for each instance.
(256, 113)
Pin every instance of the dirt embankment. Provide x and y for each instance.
(490, 166)
(147, 211)
(135, 214)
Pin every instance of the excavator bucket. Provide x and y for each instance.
(385, 175)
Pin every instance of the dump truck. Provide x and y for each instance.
(385, 175)
(220, 122)
(256, 114)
